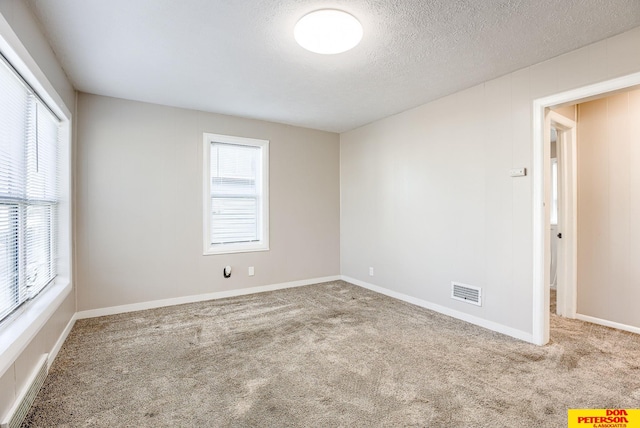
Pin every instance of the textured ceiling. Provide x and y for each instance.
(239, 57)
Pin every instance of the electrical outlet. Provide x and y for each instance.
(370, 271)
(518, 172)
(251, 271)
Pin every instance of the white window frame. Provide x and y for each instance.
(18, 330)
(263, 223)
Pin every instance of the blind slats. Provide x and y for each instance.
(29, 135)
(235, 193)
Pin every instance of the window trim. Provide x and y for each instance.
(245, 247)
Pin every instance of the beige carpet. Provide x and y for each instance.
(327, 355)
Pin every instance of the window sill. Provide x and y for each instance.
(17, 331)
(230, 249)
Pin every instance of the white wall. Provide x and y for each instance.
(26, 28)
(426, 194)
(139, 204)
(609, 208)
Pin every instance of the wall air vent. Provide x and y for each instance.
(466, 293)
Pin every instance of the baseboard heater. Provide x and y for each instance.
(27, 396)
(466, 293)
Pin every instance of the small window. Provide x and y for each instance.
(236, 198)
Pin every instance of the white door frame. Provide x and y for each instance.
(541, 191)
(566, 268)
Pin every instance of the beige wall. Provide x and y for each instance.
(24, 25)
(426, 194)
(567, 111)
(609, 208)
(139, 204)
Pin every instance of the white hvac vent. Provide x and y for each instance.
(466, 293)
(21, 407)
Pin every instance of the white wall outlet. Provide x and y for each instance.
(370, 271)
(518, 172)
(251, 271)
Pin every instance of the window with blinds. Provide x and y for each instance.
(236, 194)
(29, 143)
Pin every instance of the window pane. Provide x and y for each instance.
(233, 161)
(41, 156)
(235, 188)
(9, 292)
(39, 268)
(14, 121)
(234, 220)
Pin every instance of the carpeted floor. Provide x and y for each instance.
(328, 355)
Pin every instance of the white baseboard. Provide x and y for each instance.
(65, 333)
(92, 313)
(490, 325)
(608, 323)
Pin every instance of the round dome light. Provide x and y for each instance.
(328, 31)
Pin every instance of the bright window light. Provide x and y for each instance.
(328, 31)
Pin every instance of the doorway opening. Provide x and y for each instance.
(562, 211)
(555, 234)
(543, 120)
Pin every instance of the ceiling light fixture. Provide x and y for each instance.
(328, 31)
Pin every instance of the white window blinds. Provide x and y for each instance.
(29, 143)
(235, 193)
